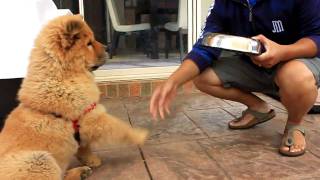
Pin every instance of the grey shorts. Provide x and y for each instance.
(239, 72)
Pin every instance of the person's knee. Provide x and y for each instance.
(205, 79)
(295, 77)
(199, 83)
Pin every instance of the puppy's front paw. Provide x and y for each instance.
(140, 135)
(79, 173)
(86, 172)
(90, 160)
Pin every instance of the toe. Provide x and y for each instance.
(231, 122)
(285, 149)
(301, 147)
(294, 148)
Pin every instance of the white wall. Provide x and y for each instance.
(205, 4)
(197, 14)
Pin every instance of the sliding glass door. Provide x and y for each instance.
(154, 34)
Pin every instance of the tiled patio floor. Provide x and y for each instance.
(195, 143)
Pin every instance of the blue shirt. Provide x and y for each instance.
(283, 22)
(252, 2)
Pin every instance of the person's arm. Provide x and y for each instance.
(201, 55)
(187, 71)
(303, 48)
(309, 21)
(194, 63)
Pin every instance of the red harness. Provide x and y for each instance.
(75, 123)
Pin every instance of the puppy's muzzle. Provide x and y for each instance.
(100, 62)
(101, 59)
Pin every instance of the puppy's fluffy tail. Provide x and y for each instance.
(102, 128)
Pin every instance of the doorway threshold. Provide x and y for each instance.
(130, 73)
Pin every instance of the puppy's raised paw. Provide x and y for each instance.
(139, 136)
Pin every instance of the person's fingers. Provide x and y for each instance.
(154, 103)
(264, 41)
(167, 106)
(261, 38)
(154, 113)
(258, 63)
(162, 102)
(269, 65)
(262, 57)
(255, 59)
(161, 110)
(168, 101)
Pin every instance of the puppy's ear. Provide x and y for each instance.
(72, 30)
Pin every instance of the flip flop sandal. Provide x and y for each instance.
(259, 117)
(290, 141)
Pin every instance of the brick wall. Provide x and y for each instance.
(137, 88)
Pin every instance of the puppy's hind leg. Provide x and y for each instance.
(29, 165)
(79, 173)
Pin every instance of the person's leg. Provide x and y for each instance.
(298, 92)
(210, 82)
(8, 94)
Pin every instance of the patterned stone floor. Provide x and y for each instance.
(195, 143)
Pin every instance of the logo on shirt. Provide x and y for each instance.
(277, 26)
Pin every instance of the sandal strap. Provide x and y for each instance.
(257, 113)
(260, 116)
(289, 141)
(242, 114)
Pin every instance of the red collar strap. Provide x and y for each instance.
(75, 122)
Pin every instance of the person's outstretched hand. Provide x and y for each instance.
(161, 99)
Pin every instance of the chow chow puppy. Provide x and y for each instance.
(59, 103)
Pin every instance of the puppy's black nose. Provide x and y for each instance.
(94, 68)
(106, 48)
